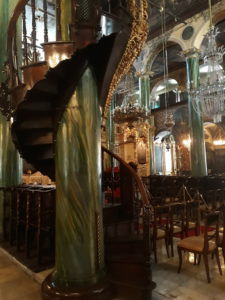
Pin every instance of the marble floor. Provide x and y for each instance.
(16, 283)
(191, 283)
(19, 283)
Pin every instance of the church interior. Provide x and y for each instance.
(112, 149)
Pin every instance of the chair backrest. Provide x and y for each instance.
(211, 228)
(222, 226)
(161, 218)
(177, 215)
(193, 215)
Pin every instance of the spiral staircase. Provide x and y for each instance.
(127, 237)
(33, 131)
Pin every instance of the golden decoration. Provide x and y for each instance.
(139, 32)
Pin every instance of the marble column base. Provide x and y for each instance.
(100, 291)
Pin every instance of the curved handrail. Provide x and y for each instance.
(139, 183)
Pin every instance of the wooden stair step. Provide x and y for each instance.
(38, 136)
(36, 122)
(131, 290)
(134, 258)
(39, 105)
(40, 151)
(45, 86)
(129, 271)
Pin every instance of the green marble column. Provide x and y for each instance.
(6, 9)
(151, 145)
(10, 162)
(144, 89)
(79, 229)
(197, 149)
(110, 127)
(65, 18)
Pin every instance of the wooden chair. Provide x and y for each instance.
(221, 240)
(176, 222)
(192, 218)
(203, 244)
(160, 228)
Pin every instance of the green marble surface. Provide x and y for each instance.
(78, 181)
(65, 18)
(6, 10)
(197, 150)
(110, 128)
(144, 88)
(10, 162)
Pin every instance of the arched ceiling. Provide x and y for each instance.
(175, 60)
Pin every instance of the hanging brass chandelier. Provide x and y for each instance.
(131, 110)
(209, 98)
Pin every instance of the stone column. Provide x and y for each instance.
(10, 162)
(144, 89)
(197, 148)
(79, 270)
(110, 127)
(65, 19)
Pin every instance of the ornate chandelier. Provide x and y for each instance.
(209, 98)
(130, 113)
(131, 110)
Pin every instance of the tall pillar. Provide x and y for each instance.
(65, 19)
(110, 127)
(10, 162)
(144, 89)
(79, 269)
(197, 149)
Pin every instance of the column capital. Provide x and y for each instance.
(144, 74)
(192, 52)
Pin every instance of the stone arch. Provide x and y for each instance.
(158, 83)
(177, 41)
(156, 50)
(200, 34)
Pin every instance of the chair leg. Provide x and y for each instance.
(180, 259)
(195, 258)
(167, 247)
(223, 251)
(199, 259)
(205, 257)
(218, 261)
(172, 250)
(155, 251)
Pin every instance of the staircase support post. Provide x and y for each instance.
(79, 270)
